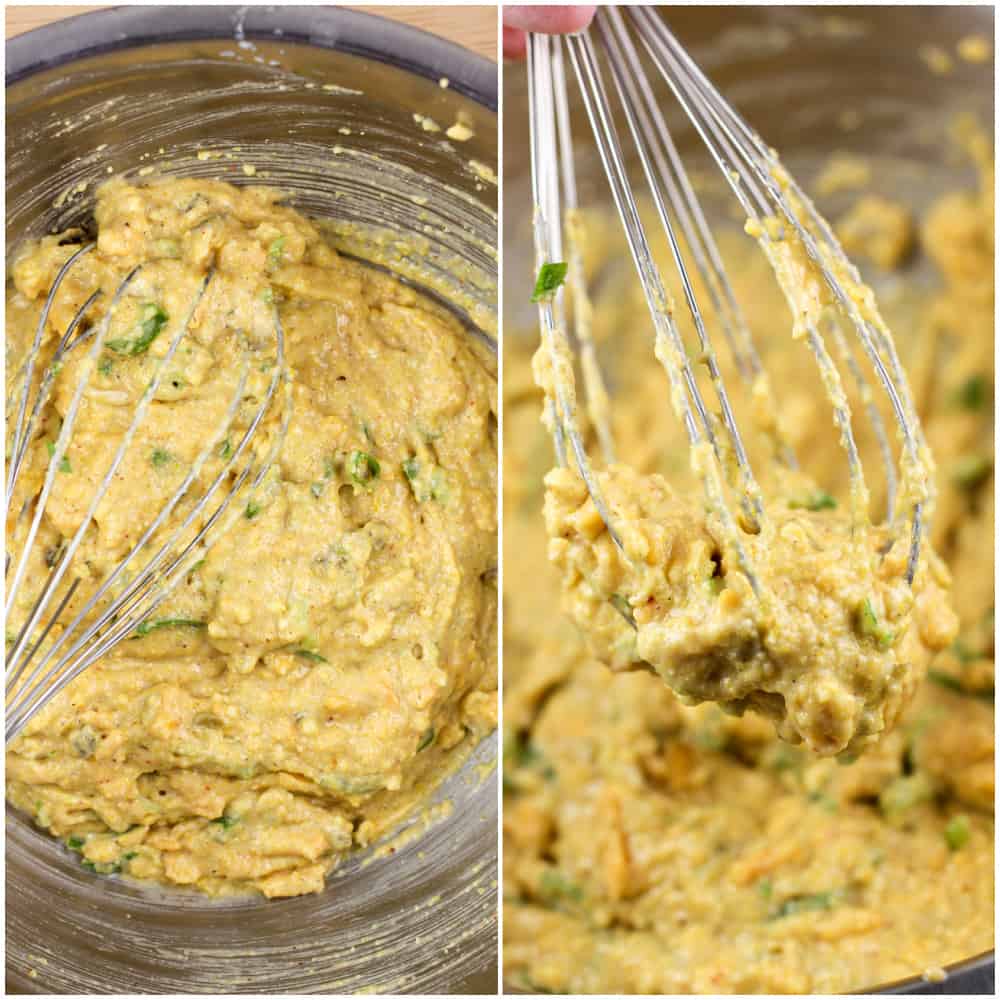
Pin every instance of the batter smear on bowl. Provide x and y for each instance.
(334, 654)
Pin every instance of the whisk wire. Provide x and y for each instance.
(592, 90)
(777, 211)
(16, 657)
(668, 345)
(66, 345)
(19, 438)
(687, 208)
(151, 566)
(161, 573)
(596, 392)
(623, 62)
(59, 452)
(548, 244)
(696, 231)
(677, 68)
(750, 166)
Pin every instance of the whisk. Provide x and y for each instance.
(54, 645)
(776, 210)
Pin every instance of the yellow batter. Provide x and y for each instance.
(335, 653)
(652, 847)
(788, 606)
(832, 652)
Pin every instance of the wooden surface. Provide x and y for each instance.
(474, 27)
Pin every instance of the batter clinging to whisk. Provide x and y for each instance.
(759, 593)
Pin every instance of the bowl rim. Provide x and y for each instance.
(974, 975)
(352, 32)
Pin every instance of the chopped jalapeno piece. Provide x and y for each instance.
(973, 393)
(550, 277)
(364, 468)
(952, 683)
(956, 833)
(308, 654)
(64, 465)
(905, 793)
(868, 626)
(275, 251)
(101, 867)
(811, 903)
(520, 752)
(155, 625)
(962, 653)
(971, 471)
(153, 320)
(553, 887)
(944, 680)
(819, 500)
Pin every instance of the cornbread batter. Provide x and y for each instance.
(334, 654)
(878, 229)
(805, 615)
(829, 653)
(654, 847)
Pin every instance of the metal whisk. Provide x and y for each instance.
(776, 209)
(54, 644)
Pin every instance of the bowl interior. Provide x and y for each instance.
(336, 130)
(812, 81)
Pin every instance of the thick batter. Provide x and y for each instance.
(789, 606)
(335, 653)
(652, 847)
(832, 652)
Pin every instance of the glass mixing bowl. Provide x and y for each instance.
(812, 81)
(319, 102)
